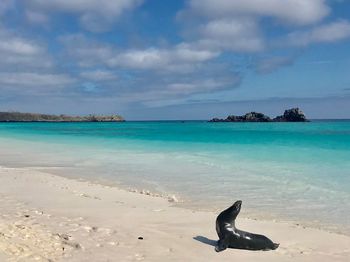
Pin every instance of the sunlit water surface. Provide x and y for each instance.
(287, 171)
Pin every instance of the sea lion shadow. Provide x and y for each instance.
(206, 240)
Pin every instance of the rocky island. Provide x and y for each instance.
(290, 115)
(30, 117)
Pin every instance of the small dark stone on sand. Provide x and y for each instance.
(26, 215)
(72, 244)
(140, 238)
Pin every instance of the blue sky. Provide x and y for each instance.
(191, 59)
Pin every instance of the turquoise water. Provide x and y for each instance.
(289, 171)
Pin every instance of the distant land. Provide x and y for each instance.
(290, 115)
(31, 117)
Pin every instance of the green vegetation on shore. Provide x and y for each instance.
(30, 117)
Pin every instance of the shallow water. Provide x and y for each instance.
(290, 171)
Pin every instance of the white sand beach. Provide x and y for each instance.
(51, 218)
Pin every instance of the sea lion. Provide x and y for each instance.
(230, 236)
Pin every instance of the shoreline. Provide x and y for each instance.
(46, 216)
(185, 200)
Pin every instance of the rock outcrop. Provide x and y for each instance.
(290, 115)
(249, 117)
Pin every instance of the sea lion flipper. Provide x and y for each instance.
(275, 246)
(221, 245)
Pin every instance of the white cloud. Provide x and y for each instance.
(25, 64)
(299, 12)
(174, 90)
(86, 52)
(36, 80)
(17, 52)
(189, 53)
(327, 33)
(99, 75)
(94, 15)
(18, 46)
(268, 65)
(102, 7)
(36, 17)
(162, 93)
(181, 58)
(162, 59)
(141, 59)
(199, 86)
(162, 65)
(234, 34)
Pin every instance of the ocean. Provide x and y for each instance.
(295, 172)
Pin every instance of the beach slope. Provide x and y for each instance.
(50, 218)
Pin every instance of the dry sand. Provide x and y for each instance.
(50, 218)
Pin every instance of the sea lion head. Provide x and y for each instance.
(235, 209)
(230, 214)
